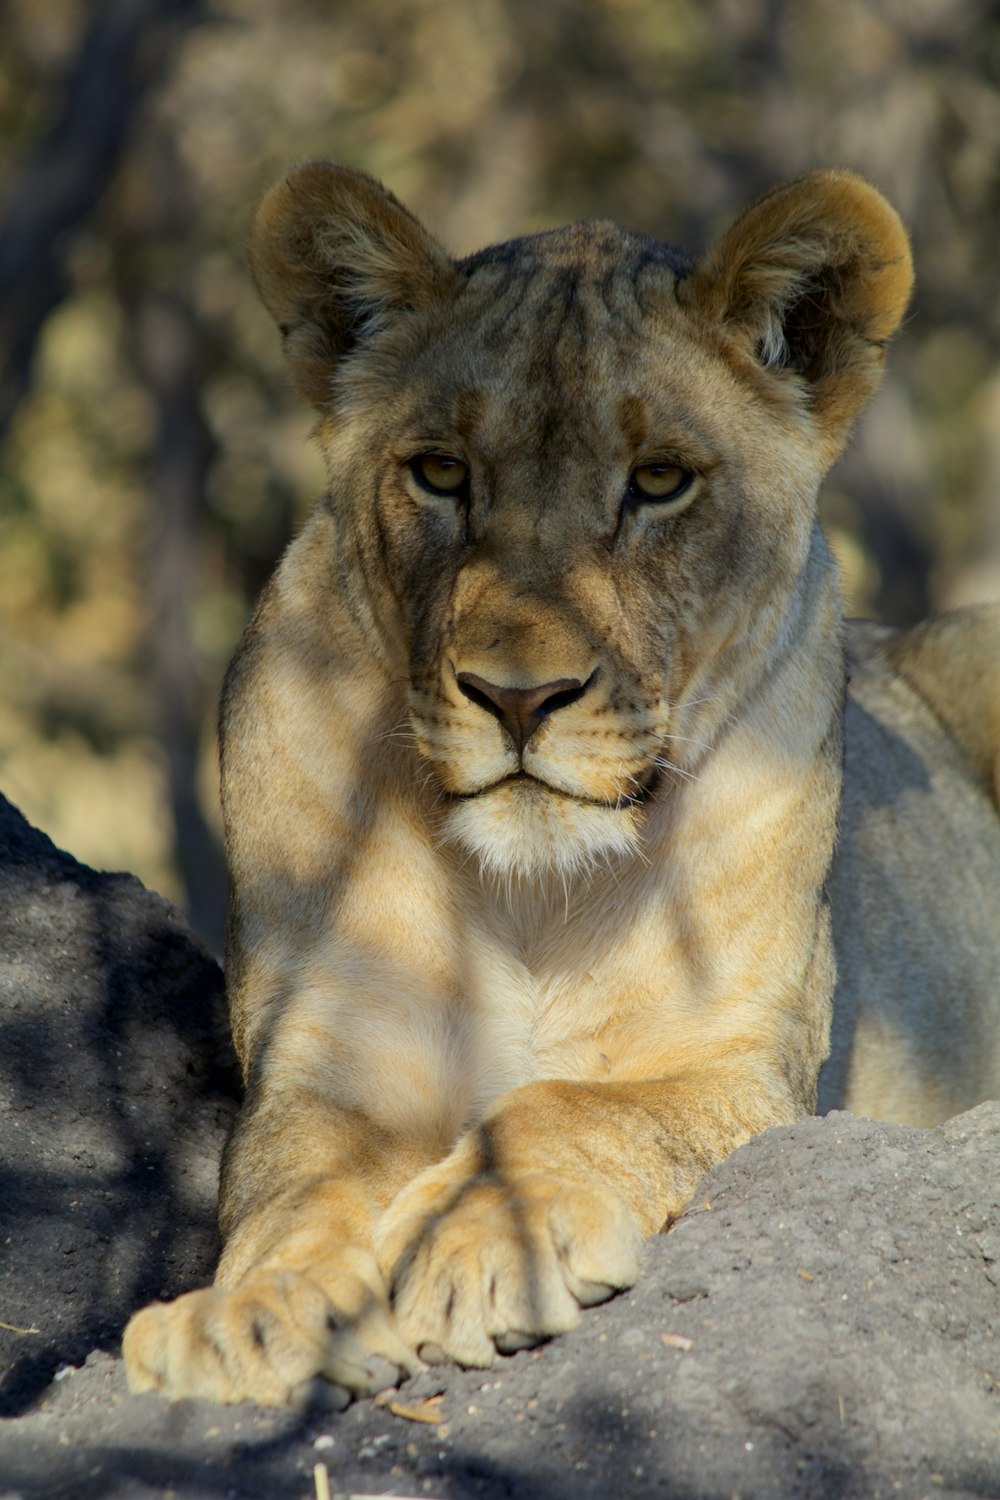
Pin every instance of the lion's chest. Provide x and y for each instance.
(434, 1065)
(589, 1012)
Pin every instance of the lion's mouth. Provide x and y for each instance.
(642, 793)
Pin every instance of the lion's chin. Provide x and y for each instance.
(524, 829)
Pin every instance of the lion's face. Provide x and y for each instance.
(566, 505)
(574, 480)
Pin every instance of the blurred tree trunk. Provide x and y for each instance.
(124, 52)
(169, 351)
(125, 49)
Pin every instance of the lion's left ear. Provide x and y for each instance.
(812, 279)
(336, 256)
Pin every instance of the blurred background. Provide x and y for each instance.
(154, 459)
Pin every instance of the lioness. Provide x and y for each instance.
(532, 769)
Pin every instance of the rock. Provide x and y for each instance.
(831, 1301)
(117, 1083)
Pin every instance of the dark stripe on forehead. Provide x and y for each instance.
(593, 244)
(622, 268)
(502, 321)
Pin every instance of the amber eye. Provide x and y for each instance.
(665, 481)
(439, 473)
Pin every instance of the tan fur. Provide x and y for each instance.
(532, 787)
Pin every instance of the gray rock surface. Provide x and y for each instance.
(824, 1322)
(116, 1087)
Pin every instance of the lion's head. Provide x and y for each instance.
(573, 479)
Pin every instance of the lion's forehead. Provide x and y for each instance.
(596, 250)
(561, 359)
(590, 290)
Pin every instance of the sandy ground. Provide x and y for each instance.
(825, 1322)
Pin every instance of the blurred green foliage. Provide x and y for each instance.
(158, 460)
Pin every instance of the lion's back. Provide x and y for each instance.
(915, 885)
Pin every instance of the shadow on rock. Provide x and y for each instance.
(117, 1086)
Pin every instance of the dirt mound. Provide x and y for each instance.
(824, 1322)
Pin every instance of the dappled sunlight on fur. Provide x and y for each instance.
(533, 769)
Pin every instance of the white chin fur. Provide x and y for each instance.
(523, 830)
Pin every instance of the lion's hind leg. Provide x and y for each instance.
(954, 664)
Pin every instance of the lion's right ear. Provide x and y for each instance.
(334, 256)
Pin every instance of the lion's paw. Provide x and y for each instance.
(277, 1339)
(480, 1266)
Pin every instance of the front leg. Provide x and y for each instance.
(542, 1209)
(299, 1311)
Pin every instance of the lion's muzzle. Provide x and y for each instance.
(521, 710)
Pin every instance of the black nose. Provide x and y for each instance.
(521, 709)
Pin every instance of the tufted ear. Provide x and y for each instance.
(811, 281)
(334, 256)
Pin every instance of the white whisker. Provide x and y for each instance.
(662, 764)
(686, 739)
